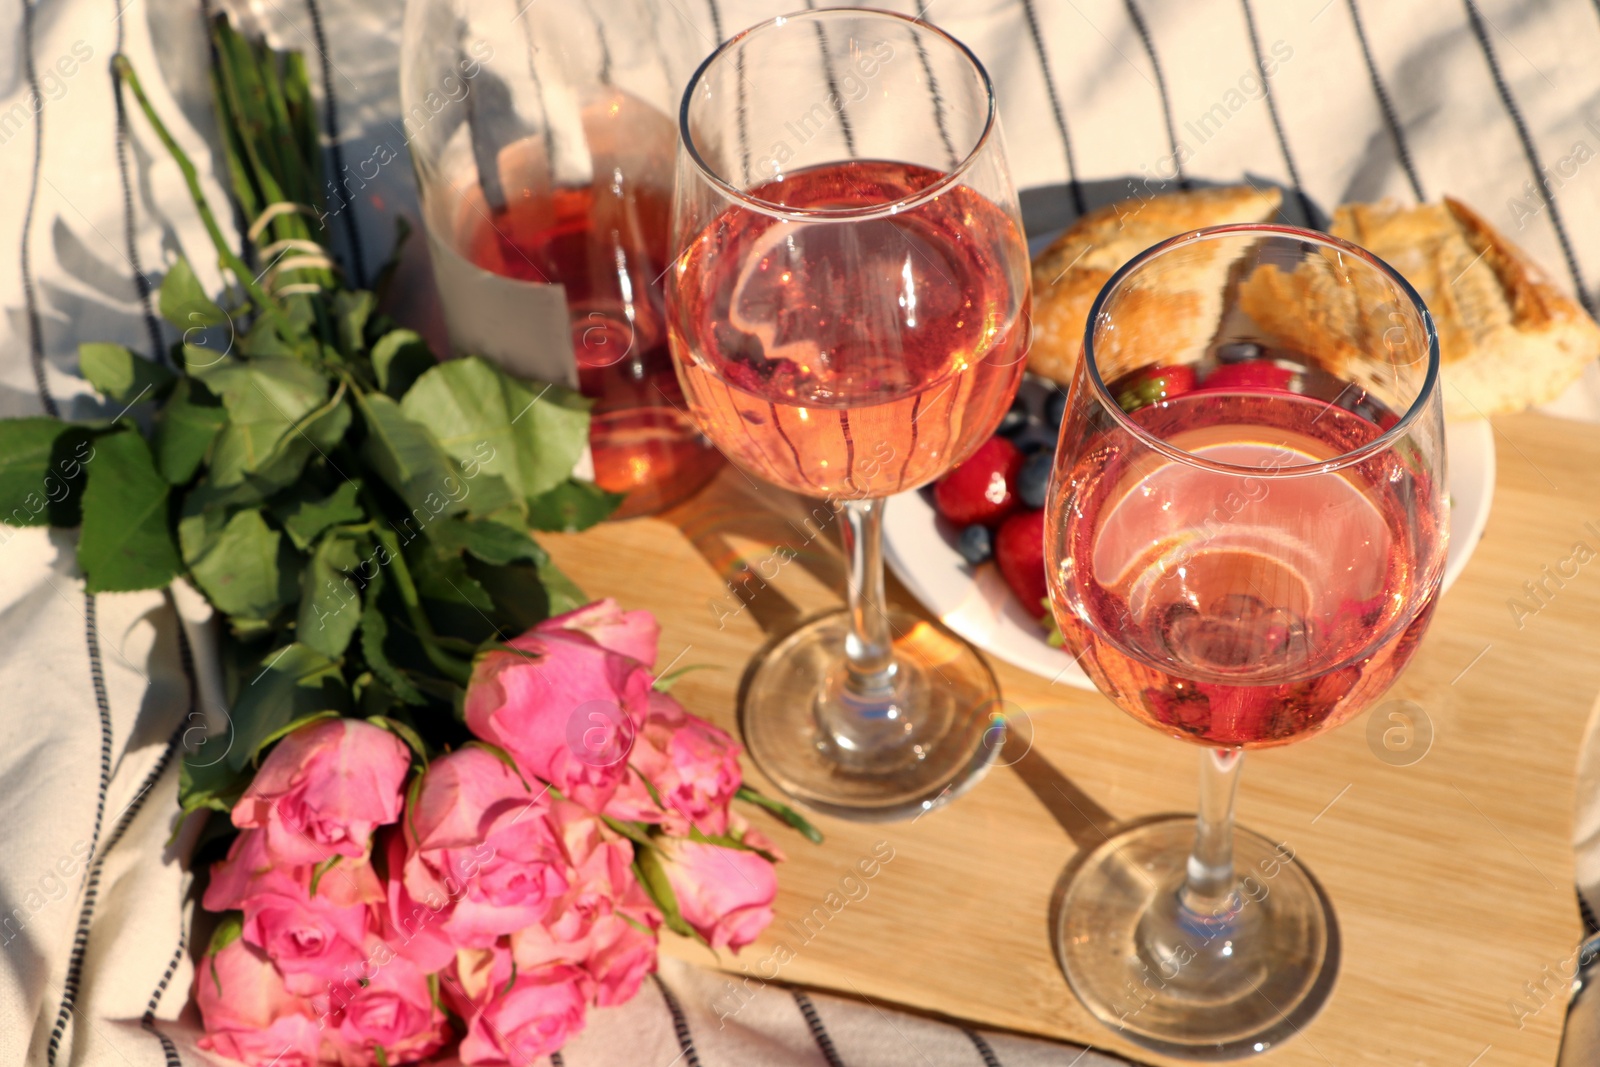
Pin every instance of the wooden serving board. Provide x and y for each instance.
(1452, 876)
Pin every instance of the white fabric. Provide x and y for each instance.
(51, 738)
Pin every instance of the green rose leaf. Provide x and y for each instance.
(189, 421)
(489, 541)
(184, 302)
(315, 435)
(570, 506)
(374, 631)
(264, 340)
(456, 601)
(410, 461)
(529, 435)
(42, 464)
(227, 931)
(205, 780)
(561, 592)
(121, 375)
(305, 518)
(351, 309)
(127, 537)
(238, 563)
(653, 876)
(330, 603)
(266, 399)
(289, 684)
(399, 358)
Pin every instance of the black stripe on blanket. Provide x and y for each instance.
(148, 1022)
(91, 887)
(819, 1033)
(680, 1024)
(140, 282)
(91, 890)
(937, 99)
(1037, 36)
(833, 84)
(716, 19)
(983, 1047)
(1390, 117)
(330, 131)
(30, 295)
(1161, 87)
(1307, 211)
(1475, 19)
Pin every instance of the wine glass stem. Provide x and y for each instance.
(1209, 889)
(869, 647)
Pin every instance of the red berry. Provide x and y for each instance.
(1019, 550)
(1155, 384)
(1250, 377)
(983, 489)
(1171, 381)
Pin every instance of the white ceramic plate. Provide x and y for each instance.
(975, 602)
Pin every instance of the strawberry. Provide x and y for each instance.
(1252, 376)
(1019, 550)
(984, 488)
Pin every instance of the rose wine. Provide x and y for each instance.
(858, 359)
(606, 244)
(1234, 609)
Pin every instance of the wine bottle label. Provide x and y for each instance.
(523, 327)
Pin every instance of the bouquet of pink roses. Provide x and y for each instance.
(380, 897)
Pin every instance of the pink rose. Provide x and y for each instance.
(486, 844)
(513, 1016)
(567, 684)
(739, 828)
(390, 1006)
(726, 894)
(621, 953)
(413, 926)
(628, 633)
(693, 766)
(249, 1015)
(313, 938)
(323, 790)
(605, 923)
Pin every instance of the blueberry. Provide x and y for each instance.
(975, 544)
(1014, 421)
(1238, 352)
(1055, 409)
(1033, 480)
(1033, 438)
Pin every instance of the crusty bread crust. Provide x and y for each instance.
(1069, 274)
(1508, 338)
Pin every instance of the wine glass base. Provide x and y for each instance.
(1213, 991)
(951, 701)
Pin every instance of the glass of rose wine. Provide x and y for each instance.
(847, 310)
(1244, 539)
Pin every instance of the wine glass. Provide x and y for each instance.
(543, 138)
(847, 311)
(1245, 537)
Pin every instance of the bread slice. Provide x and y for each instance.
(1069, 274)
(1508, 337)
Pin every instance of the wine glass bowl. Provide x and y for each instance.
(1245, 538)
(1251, 559)
(847, 311)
